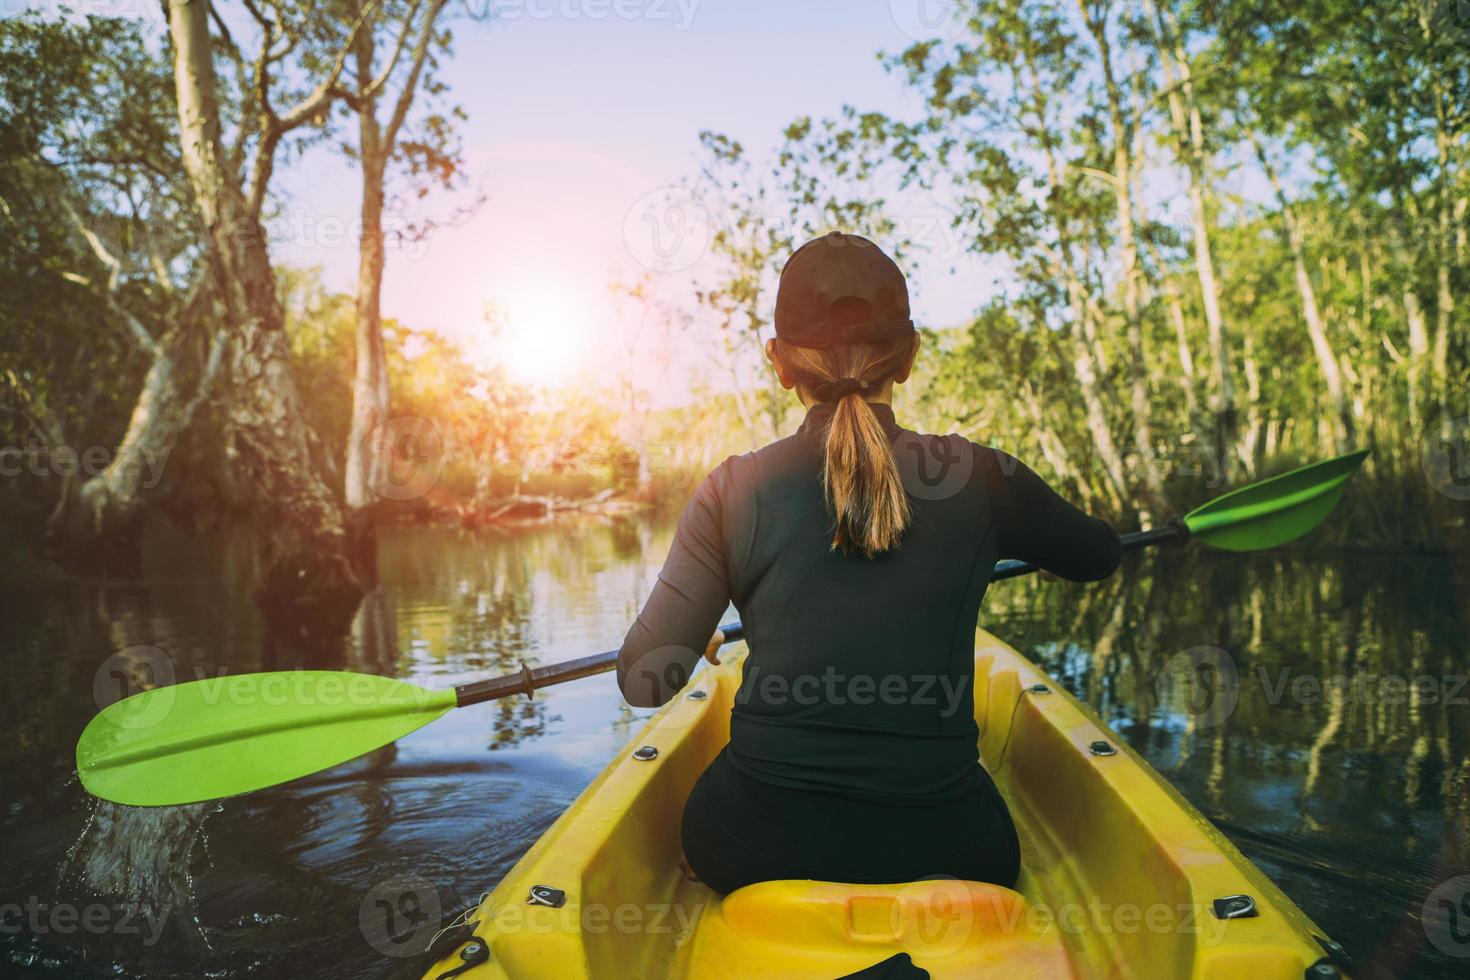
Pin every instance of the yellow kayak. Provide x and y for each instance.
(1121, 877)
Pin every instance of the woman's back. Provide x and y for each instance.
(857, 554)
(859, 676)
(859, 673)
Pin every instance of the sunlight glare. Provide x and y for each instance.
(545, 334)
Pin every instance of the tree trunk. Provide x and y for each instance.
(1143, 441)
(1250, 445)
(112, 500)
(1444, 252)
(1189, 133)
(1341, 424)
(1186, 356)
(1084, 367)
(1418, 353)
(308, 585)
(367, 453)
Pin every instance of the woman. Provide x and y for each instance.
(857, 554)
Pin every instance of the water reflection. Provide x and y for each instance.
(275, 881)
(1356, 804)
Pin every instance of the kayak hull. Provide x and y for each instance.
(1120, 876)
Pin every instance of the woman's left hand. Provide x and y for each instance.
(712, 651)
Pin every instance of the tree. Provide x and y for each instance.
(308, 582)
(88, 141)
(432, 158)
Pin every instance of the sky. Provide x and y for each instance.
(580, 120)
(583, 121)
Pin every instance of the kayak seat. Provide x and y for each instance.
(948, 927)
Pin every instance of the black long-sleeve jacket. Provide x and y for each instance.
(859, 677)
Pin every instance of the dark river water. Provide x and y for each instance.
(1327, 733)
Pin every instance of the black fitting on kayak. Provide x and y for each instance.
(1235, 907)
(1038, 689)
(1323, 969)
(472, 954)
(1336, 955)
(1102, 748)
(698, 695)
(552, 898)
(645, 753)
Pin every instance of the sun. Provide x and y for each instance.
(546, 333)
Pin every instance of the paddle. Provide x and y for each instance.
(207, 739)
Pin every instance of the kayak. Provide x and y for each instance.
(1121, 876)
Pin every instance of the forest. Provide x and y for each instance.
(1234, 238)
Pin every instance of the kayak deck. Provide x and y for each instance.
(1120, 875)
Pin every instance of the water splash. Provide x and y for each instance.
(139, 858)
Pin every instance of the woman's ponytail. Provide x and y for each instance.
(864, 490)
(865, 494)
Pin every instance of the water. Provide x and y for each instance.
(1357, 805)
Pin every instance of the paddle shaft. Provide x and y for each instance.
(528, 680)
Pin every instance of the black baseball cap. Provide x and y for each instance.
(841, 289)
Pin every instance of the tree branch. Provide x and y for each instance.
(321, 96)
(405, 96)
(377, 84)
(114, 265)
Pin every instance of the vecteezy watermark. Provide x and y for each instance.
(1192, 459)
(680, 13)
(324, 689)
(925, 20)
(930, 231)
(1202, 682)
(836, 688)
(89, 462)
(1446, 917)
(939, 911)
(943, 913)
(96, 918)
(667, 230)
(1367, 688)
(934, 467)
(398, 917)
(671, 919)
(1205, 684)
(308, 229)
(1445, 456)
(149, 671)
(412, 451)
(657, 676)
(133, 670)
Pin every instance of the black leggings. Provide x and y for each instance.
(738, 831)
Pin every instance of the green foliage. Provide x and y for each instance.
(1363, 118)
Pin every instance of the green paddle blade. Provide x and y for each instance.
(212, 738)
(1276, 510)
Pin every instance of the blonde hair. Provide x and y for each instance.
(865, 494)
